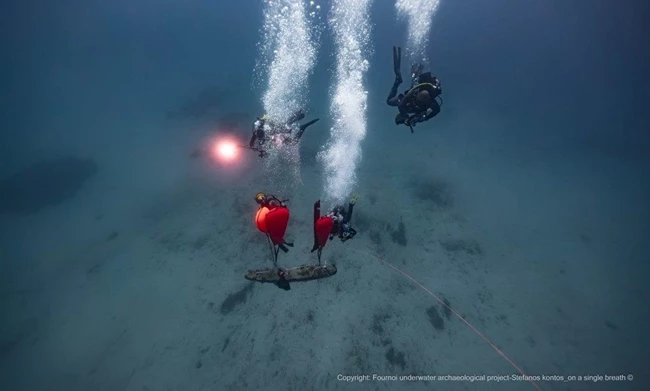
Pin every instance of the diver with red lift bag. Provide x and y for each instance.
(334, 224)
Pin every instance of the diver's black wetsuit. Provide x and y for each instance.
(394, 99)
(411, 105)
(342, 228)
(260, 135)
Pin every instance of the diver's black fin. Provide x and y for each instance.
(397, 58)
(397, 63)
(304, 126)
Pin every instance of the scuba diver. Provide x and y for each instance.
(334, 224)
(266, 130)
(418, 103)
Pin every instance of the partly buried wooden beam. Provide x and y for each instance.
(300, 273)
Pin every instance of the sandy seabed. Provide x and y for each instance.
(137, 283)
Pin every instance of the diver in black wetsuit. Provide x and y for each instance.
(334, 224)
(341, 218)
(265, 129)
(418, 103)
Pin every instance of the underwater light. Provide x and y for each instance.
(226, 150)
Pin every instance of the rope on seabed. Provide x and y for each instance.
(471, 326)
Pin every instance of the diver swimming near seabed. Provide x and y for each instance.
(336, 223)
(268, 133)
(419, 102)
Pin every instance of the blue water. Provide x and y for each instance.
(523, 205)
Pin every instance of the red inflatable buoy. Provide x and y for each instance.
(323, 228)
(260, 218)
(276, 224)
(273, 222)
